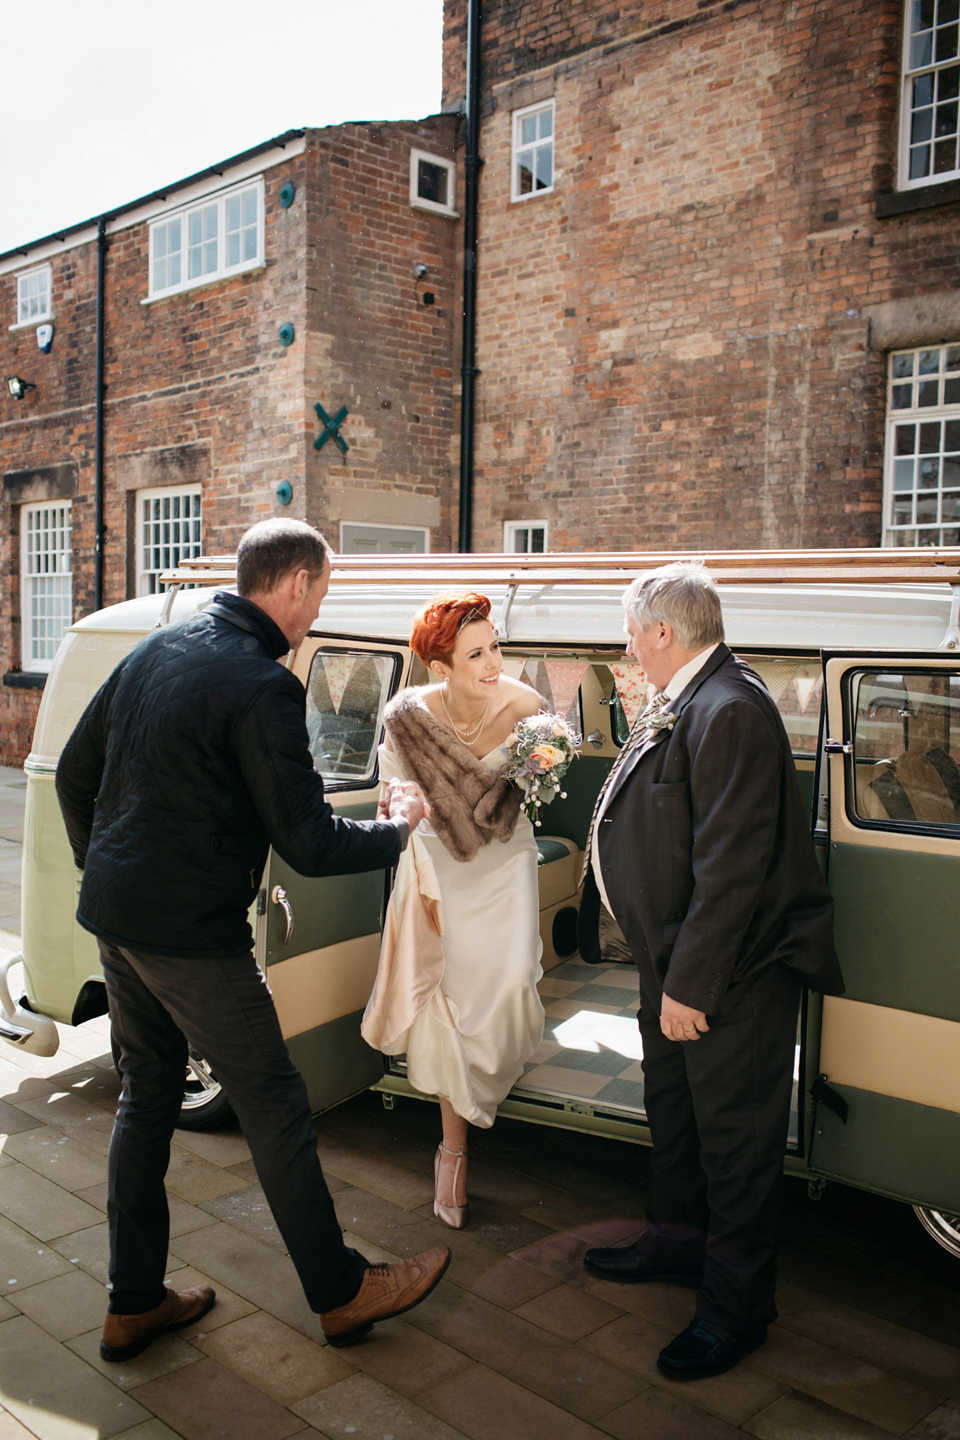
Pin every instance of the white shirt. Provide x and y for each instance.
(673, 690)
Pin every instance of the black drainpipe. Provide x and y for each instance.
(98, 426)
(469, 370)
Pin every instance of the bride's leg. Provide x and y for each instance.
(455, 1140)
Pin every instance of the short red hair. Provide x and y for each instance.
(438, 624)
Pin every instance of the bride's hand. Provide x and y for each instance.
(405, 800)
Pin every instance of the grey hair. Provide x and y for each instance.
(683, 596)
(272, 548)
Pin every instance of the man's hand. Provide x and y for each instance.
(405, 801)
(679, 1022)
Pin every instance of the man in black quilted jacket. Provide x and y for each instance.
(187, 765)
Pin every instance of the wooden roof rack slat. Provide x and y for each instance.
(728, 567)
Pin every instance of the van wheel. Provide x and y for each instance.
(944, 1228)
(205, 1106)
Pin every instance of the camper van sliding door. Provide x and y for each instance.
(319, 939)
(890, 1046)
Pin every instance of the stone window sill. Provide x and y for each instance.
(25, 679)
(926, 197)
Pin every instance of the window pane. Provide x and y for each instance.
(929, 362)
(928, 392)
(946, 42)
(525, 173)
(544, 167)
(233, 248)
(921, 51)
(903, 364)
(546, 122)
(946, 119)
(907, 748)
(432, 182)
(906, 440)
(930, 438)
(951, 435)
(951, 506)
(919, 162)
(948, 83)
(250, 207)
(921, 126)
(233, 212)
(921, 15)
(944, 157)
(528, 129)
(902, 397)
(250, 243)
(346, 693)
(903, 511)
(951, 392)
(903, 474)
(195, 226)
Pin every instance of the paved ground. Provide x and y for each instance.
(516, 1342)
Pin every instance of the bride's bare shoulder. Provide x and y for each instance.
(522, 700)
(430, 696)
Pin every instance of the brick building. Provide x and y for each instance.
(233, 303)
(708, 234)
(718, 305)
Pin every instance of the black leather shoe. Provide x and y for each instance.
(623, 1263)
(705, 1349)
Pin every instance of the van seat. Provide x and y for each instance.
(556, 869)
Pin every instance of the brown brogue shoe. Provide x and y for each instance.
(384, 1291)
(126, 1335)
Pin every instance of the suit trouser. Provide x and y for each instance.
(222, 1008)
(719, 1109)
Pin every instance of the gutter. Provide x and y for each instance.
(469, 370)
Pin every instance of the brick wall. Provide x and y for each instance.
(374, 345)
(199, 387)
(674, 344)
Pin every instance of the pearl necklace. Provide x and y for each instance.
(465, 736)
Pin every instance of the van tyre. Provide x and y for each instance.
(205, 1105)
(944, 1227)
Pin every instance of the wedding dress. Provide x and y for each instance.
(478, 1018)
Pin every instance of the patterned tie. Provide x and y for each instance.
(640, 731)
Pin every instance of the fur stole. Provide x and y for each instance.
(470, 804)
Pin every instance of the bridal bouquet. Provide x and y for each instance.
(541, 748)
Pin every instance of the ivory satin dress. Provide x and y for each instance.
(468, 1001)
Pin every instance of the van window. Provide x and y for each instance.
(346, 693)
(906, 747)
(796, 687)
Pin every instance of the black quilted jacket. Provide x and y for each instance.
(186, 765)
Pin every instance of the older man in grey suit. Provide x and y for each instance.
(701, 851)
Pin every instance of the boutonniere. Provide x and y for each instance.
(663, 720)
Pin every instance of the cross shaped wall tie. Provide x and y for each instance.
(331, 428)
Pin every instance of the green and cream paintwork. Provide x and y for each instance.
(890, 1046)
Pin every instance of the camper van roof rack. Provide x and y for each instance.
(727, 567)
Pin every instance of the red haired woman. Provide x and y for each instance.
(456, 989)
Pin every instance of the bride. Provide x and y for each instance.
(456, 987)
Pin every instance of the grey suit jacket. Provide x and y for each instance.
(706, 851)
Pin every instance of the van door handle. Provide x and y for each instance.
(838, 747)
(279, 897)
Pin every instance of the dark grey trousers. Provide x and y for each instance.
(159, 1005)
(718, 1110)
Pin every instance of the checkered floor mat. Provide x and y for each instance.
(591, 1044)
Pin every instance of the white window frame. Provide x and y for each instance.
(417, 200)
(516, 147)
(510, 528)
(948, 382)
(222, 271)
(32, 321)
(173, 549)
(909, 75)
(57, 564)
(346, 525)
